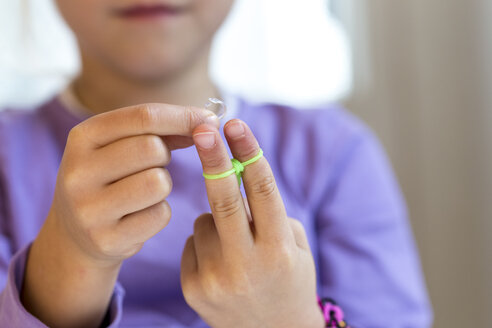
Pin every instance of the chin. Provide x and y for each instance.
(150, 75)
(152, 69)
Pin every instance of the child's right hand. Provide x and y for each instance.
(109, 199)
(112, 184)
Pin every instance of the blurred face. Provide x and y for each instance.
(145, 39)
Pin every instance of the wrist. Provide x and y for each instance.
(54, 245)
(62, 286)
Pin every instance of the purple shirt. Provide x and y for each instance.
(333, 177)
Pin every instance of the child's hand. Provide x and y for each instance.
(112, 185)
(240, 274)
(110, 198)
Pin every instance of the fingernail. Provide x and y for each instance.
(211, 117)
(205, 140)
(235, 130)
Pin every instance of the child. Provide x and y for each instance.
(87, 183)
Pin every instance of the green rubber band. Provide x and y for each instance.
(237, 168)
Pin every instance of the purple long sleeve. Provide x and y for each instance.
(13, 314)
(333, 177)
(366, 254)
(16, 221)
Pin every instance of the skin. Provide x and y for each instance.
(247, 264)
(111, 189)
(132, 62)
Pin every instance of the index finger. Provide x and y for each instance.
(224, 196)
(152, 118)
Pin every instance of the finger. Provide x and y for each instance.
(138, 227)
(189, 271)
(299, 234)
(208, 248)
(189, 261)
(136, 192)
(224, 195)
(158, 119)
(250, 218)
(246, 207)
(127, 156)
(265, 202)
(177, 142)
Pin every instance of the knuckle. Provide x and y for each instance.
(152, 146)
(282, 257)
(80, 134)
(146, 115)
(158, 182)
(212, 285)
(85, 213)
(104, 243)
(217, 287)
(131, 250)
(296, 225)
(75, 133)
(287, 255)
(162, 214)
(241, 289)
(190, 118)
(240, 284)
(71, 180)
(227, 206)
(85, 208)
(265, 187)
(74, 180)
(202, 222)
(190, 291)
(214, 161)
(300, 236)
(250, 150)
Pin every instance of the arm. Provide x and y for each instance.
(368, 260)
(12, 269)
(62, 286)
(109, 199)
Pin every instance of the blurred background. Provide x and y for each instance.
(418, 72)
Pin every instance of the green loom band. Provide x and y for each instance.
(237, 168)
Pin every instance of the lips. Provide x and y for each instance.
(149, 11)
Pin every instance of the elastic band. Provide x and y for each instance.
(237, 168)
(332, 313)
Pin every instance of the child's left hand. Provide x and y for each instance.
(237, 273)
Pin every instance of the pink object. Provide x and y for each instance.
(332, 313)
(336, 310)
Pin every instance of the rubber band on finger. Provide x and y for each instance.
(237, 168)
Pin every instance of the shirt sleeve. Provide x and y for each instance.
(12, 312)
(367, 258)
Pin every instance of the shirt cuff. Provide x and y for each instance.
(13, 313)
